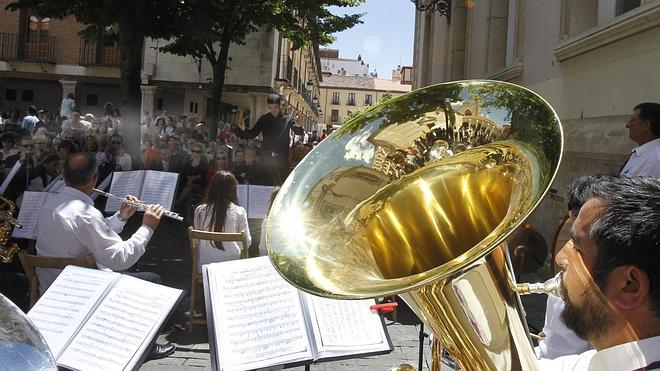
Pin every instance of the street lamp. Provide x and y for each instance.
(441, 6)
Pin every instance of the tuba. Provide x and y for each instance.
(416, 197)
(7, 253)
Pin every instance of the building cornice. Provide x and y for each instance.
(638, 20)
(509, 73)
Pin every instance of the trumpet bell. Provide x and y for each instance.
(413, 196)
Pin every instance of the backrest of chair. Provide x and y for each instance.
(197, 234)
(30, 262)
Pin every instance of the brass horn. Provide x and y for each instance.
(416, 197)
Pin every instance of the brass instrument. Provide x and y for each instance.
(7, 253)
(416, 197)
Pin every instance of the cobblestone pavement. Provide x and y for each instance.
(168, 254)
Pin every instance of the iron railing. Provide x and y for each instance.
(31, 49)
(91, 55)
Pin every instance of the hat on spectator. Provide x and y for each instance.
(9, 135)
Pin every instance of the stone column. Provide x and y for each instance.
(254, 115)
(68, 86)
(148, 100)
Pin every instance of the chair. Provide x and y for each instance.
(30, 262)
(197, 280)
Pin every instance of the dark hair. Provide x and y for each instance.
(68, 145)
(219, 193)
(650, 111)
(32, 109)
(627, 232)
(79, 169)
(274, 99)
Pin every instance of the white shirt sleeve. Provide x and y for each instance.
(106, 245)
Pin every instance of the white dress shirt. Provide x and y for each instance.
(69, 226)
(628, 356)
(644, 160)
(235, 221)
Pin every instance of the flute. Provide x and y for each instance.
(138, 205)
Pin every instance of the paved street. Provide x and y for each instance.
(168, 254)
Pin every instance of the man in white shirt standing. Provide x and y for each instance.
(644, 129)
(611, 278)
(69, 226)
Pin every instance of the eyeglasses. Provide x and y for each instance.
(27, 145)
(113, 142)
(221, 158)
(196, 151)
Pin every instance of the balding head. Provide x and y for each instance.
(79, 169)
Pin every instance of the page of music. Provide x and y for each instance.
(258, 316)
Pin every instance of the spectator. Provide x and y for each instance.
(67, 107)
(150, 154)
(194, 177)
(219, 163)
(46, 170)
(30, 120)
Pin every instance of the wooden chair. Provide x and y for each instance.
(30, 262)
(197, 280)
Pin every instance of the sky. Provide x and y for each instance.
(384, 39)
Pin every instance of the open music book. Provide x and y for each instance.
(255, 199)
(150, 186)
(100, 320)
(256, 319)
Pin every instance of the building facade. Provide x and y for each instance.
(342, 95)
(592, 60)
(43, 60)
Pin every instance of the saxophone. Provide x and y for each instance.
(7, 253)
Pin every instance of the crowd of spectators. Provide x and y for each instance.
(172, 143)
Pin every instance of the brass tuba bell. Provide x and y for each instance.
(7, 253)
(416, 197)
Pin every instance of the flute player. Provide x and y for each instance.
(69, 226)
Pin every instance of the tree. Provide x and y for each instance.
(136, 20)
(207, 28)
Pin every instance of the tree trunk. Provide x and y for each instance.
(219, 66)
(131, 41)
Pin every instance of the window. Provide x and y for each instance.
(193, 107)
(92, 100)
(334, 116)
(159, 103)
(10, 94)
(368, 99)
(351, 99)
(623, 6)
(37, 29)
(335, 98)
(27, 95)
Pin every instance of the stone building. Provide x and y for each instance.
(342, 94)
(592, 60)
(42, 60)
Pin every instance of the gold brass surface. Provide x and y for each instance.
(416, 196)
(7, 253)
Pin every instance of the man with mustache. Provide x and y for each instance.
(611, 279)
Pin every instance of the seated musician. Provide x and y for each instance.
(219, 212)
(611, 279)
(70, 227)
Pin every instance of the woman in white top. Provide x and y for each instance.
(219, 212)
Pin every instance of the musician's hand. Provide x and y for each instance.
(152, 215)
(125, 210)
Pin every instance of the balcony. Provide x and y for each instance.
(105, 56)
(15, 48)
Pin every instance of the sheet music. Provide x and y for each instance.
(10, 176)
(242, 193)
(159, 188)
(29, 214)
(258, 316)
(119, 330)
(259, 201)
(124, 183)
(102, 186)
(52, 182)
(62, 309)
(347, 324)
(57, 186)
